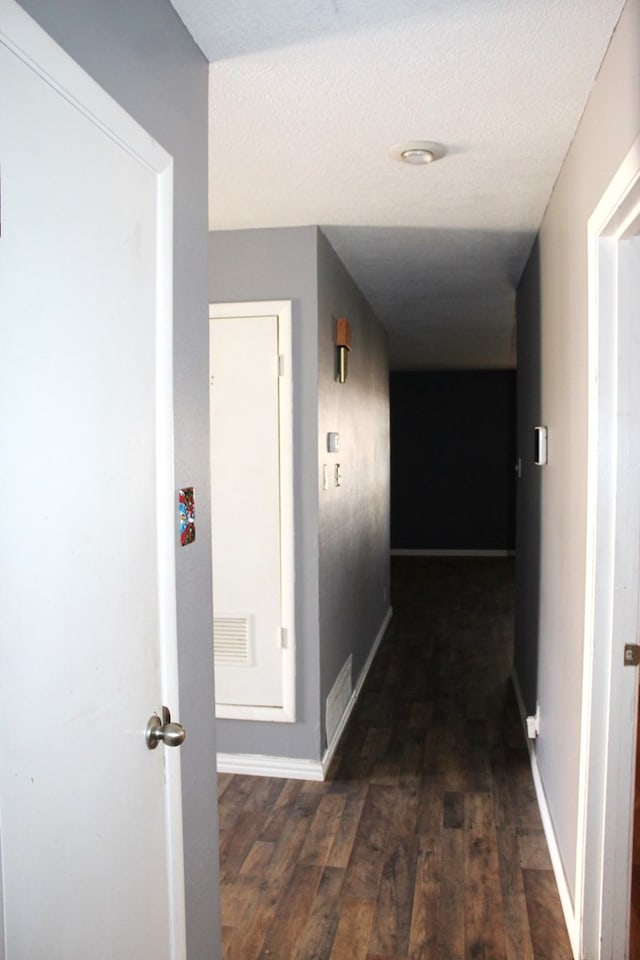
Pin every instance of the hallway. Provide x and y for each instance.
(425, 842)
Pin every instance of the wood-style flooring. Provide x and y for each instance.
(425, 842)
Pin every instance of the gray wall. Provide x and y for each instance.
(552, 304)
(529, 485)
(353, 518)
(140, 53)
(341, 535)
(281, 265)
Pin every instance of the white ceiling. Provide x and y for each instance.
(308, 96)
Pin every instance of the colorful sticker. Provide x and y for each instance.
(187, 516)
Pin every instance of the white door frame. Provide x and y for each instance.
(25, 38)
(610, 690)
(281, 309)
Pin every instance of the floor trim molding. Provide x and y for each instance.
(257, 765)
(566, 900)
(331, 749)
(293, 768)
(401, 552)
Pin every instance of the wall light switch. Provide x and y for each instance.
(333, 442)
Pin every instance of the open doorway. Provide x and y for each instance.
(613, 569)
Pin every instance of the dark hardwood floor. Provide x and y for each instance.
(425, 842)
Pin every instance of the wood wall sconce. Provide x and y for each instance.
(343, 345)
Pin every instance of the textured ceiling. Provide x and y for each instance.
(308, 96)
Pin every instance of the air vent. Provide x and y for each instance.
(231, 641)
(338, 700)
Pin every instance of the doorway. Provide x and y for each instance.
(610, 695)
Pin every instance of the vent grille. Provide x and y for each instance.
(231, 641)
(338, 700)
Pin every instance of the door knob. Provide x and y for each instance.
(171, 734)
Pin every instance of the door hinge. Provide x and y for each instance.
(631, 654)
(283, 637)
(281, 365)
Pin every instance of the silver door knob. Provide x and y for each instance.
(171, 734)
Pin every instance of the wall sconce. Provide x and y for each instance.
(343, 346)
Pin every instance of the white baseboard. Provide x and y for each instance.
(292, 768)
(256, 765)
(331, 749)
(566, 900)
(400, 552)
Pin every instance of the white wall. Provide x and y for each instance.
(552, 313)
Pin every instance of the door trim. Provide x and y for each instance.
(282, 309)
(20, 34)
(610, 691)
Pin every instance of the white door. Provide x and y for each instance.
(251, 510)
(90, 819)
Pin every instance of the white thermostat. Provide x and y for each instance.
(540, 455)
(333, 442)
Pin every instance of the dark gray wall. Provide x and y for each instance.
(140, 53)
(281, 265)
(529, 484)
(353, 518)
(452, 460)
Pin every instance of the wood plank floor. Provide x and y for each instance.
(425, 843)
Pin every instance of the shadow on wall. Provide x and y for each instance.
(529, 485)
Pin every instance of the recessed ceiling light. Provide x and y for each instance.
(417, 155)
(417, 152)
